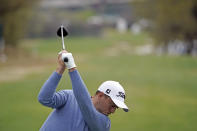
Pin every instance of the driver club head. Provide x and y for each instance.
(62, 32)
(59, 32)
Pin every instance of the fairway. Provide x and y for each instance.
(161, 91)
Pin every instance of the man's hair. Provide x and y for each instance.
(97, 92)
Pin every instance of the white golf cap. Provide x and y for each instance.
(116, 92)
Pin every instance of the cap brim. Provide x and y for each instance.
(120, 104)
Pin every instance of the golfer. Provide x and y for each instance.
(76, 110)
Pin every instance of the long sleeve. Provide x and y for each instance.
(94, 119)
(48, 96)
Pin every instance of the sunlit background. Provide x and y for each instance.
(149, 46)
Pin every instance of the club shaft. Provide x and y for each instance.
(63, 46)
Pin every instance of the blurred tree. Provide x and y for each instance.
(14, 15)
(170, 19)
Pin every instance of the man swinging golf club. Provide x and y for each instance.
(76, 110)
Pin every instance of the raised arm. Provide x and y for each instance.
(95, 120)
(47, 95)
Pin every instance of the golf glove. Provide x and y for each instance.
(68, 59)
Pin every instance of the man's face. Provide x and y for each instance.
(105, 105)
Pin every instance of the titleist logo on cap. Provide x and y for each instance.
(120, 94)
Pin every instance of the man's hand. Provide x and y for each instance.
(61, 66)
(70, 64)
(68, 60)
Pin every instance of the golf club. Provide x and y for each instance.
(62, 32)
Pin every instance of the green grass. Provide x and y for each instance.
(161, 91)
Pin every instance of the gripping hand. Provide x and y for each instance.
(68, 59)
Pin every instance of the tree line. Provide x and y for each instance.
(170, 20)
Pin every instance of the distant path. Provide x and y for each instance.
(12, 73)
